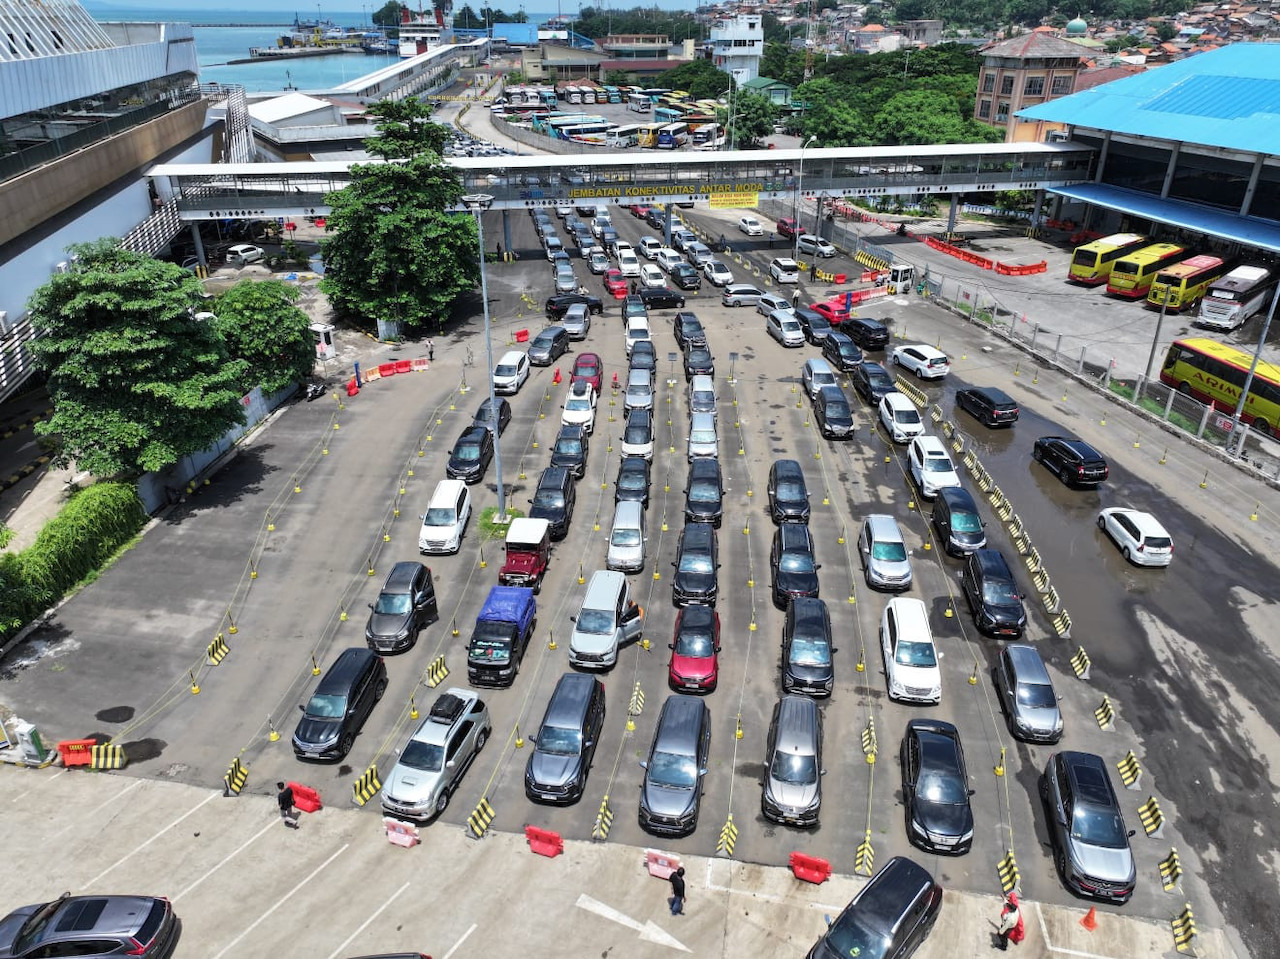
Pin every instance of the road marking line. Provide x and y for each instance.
(649, 931)
(280, 902)
(1044, 932)
(224, 861)
(376, 913)
(50, 779)
(138, 849)
(456, 945)
(106, 802)
(766, 896)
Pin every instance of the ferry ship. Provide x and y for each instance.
(423, 31)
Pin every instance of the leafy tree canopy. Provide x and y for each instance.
(405, 129)
(702, 78)
(389, 14)
(753, 116)
(262, 326)
(137, 381)
(597, 22)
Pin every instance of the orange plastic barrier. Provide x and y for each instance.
(352, 388)
(401, 833)
(522, 336)
(76, 752)
(841, 279)
(305, 798)
(386, 369)
(544, 842)
(404, 366)
(420, 364)
(661, 864)
(809, 868)
(1008, 269)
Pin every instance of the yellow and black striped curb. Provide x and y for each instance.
(237, 775)
(1170, 871)
(366, 786)
(10, 429)
(436, 672)
(107, 756)
(13, 479)
(480, 819)
(1184, 930)
(1007, 870)
(864, 860)
(604, 819)
(728, 836)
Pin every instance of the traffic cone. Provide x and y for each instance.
(1090, 920)
(556, 379)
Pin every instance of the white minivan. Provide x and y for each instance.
(608, 618)
(446, 517)
(627, 538)
(702, 436)
(637, 329)
(511, 372)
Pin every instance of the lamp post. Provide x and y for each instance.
(795, 206)
(476, 204)
(1248, 380)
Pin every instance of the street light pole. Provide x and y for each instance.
(477, 203)
(1248, 380)
(1155, 340)
(795, 205)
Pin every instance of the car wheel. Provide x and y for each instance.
(1060, 861)
(380, 689)
(1102, 523)
(442, 803)
(1127, 555)
(348, 740)
(482, 737)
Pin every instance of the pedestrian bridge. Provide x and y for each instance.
(726, 179)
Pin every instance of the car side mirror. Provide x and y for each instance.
(573, 619)
(973, 792)
(644, 764)
(673, 565)
(702, 772)
(827, 919)
(450, 764)
(302, 708)
(588, 744)
(371, 605)
(817, 566)
(1132, 833)
(834, 650)
(671, 645)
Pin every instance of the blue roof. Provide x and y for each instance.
(1229, 98)
(1248, 231)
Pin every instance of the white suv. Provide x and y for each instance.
(436, 756)
(667, 258)
(785, 270)
(924, 361)
(900, 417)
(783, 326)
(930, 466)
(580, 406)
(910, 658)
(649, 247)
(511, 372)
(628, 262)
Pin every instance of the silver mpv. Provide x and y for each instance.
(885, 562)
(793, 763)
(1027, 694)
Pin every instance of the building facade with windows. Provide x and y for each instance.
(737, 45)
(1023, 72)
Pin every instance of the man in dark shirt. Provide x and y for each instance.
(677, 892)
(285, 800)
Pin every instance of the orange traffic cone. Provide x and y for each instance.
(556, 379)
(1090, 920)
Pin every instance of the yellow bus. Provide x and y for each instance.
(1091, 263)
(647, 135)
(1133, 273)
(1214, 373)
(1182, 285)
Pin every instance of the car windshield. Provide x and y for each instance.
(543, 342)
(561, 742)
(578, 404)
(425, 756)
(810, 652)
(326, 707)
(638, 389)
(697, 645)
(467, 452)
(704, 491)
(704, 398)
(695, 562)
(1036, 696)
(965, 522)
(938, 464)
(702, 437)
(505, 369)
(636, 433)
(880, 378)
(548, 499)
(835, 408)
(571, 446)
(391, 604)
(790, 768)
(672, 769)
(1098, 826)
(491, 649)
(915, 654)
(796, 562)
(631, 479)
(906, 416)
(439, 516)
(789, 491)
(599, 621)
(850, 350)
(848, 937)
(629, 536)
(790, 326)
(818, 324)
(999, 592)
(941, 787)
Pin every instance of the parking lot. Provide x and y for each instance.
(294, 537)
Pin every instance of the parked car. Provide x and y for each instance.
(668, 258)
(587, 366)
(576, 321)
(437, 755)
(686, 277)
(633, 307)
(485, 416)
(792, 792)
(688, 329)
(549, 345)
(558, 304)
(900, 417)
(935, 788)
(445, 520)
(614, 283)
(681, 238)
(580, 406)
(955, 517)
(1138, 535)
(694, 665)
(717, 273)
(652, 278)
(638, 331)
(783, 269)
(334, 714)
(835, 311)
(750, 226)
(769, 302)
(638, 394)
(867, 333)
(788, 494)
(566, 281)
(741, 294)
(671, 791)
(992, 592)
(783, 326)
(924, 361)
(554, 499)
(511, 372)
(831, 410)
(242, 254)
(814, 375)
(841, 352)
(471, 454)
(815, 245)
(570, 450)
(637, 434)
(816, 326)
(990, 406)
(697, 253)
(1074, 461)
(628, 262)
(910, 657)
(930, 465)
(649, 247)
(704, 492)
(872, 381)
(889, 918)
(93, 926)
(645, 357)
(807, 649)
(1086, 827)
(704, 441)
(632, 481)
(1026, 694)
(659, 299)
(886, 564)
(788, 228)
(565, 745)
(698, 361)
(407, 601)
(697, 562)
(702, 395)
(791, 563)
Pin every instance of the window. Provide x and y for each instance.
(1006, 86)
(988, 83)
(1002, 112)
(1034, 87)
(984, 110)
(1061, 86)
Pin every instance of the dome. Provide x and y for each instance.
(1077, 27)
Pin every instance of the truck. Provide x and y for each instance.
(501, 636)
(528, 548)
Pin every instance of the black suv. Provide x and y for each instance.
(406, 604)
(485, 418)
(890, 917)
(935, 788)
(992, 406)
(788, 494)
(704, 493)
(868, 334)
(688, 329)
(632, 481)
(841, 352)
(696, 580)
(872, 381)
(698, 361)
(992, 593)
(792, 564)
(831, 409)
(554, 499)
(816, 326)
(806, 648)
(559, 304)
(1074, 461)
(343, 699)
(469, 459)
(661, 299)
(549, 345)
(570, 450)
(686, 277)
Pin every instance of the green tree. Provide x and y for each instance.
(1166, 31)
(389, 14)
(753, 116)
(405, 129)
(700, 77)
(918, 116)
(137, 381)
(467, 18)
(617, 78)
(393, 251)
(829, 115)
(261, 325)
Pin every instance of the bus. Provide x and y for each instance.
(647, 135)
(547, 97)
(613, 93)
(672, 136)
(1091, 263)
(575, 94)
(1214, 373)
(696, 120)
(1235, 297)
(654, 93)
(585, 132)
(667, 114)
(706, 133)
(639, 102)
(1132, 274)
(625, 137)
(1182, 285)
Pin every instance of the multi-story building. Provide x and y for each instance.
(1023, 72)
(737, 46)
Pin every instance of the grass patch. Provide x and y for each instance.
(491, 530)
(1156, 408)
(6, 536)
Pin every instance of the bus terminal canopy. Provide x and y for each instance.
(1247, 231)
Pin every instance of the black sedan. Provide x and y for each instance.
(558, 305)
(548, 346)
(485, 418)
(792, 564)
(704, 496)
(698, 361)
(662, 299)
(697, 561)
(632, 481)
(688, 329)
(872, 381)
(1074, 461)
(935, 788)
(570, 450)
(469, 460)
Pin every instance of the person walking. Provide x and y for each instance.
(795, 298)
(431, 351)
(499, 252)
(677, 892)
(284, 798)
(1011, 928)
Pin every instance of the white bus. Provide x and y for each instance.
(639, 102)
(707, 133)
(575, 94)
(1235, 297)
(624, 137)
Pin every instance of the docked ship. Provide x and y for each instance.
(423, 31)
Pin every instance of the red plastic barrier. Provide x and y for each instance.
(305, 798)
(386, 369)
(661, 864)
(404, 366)
(809, 868)
(544, 842)
(522, 336)
(841, 279)
(421, 364)
(556, 379)
(352, 388)
(76, 752)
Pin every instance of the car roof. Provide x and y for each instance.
(795, 536)
(697, 535)
(883, 527)
(992, 563)
(957, 497)
(797, 729)
(1088, 774)
(993, 394)
(555, 477)
(866, 321)
(787, 469)
(474, 434)
(832, 392)
(510, 357)
(680, 725)
(705, 467)
(930, 445)
(911, 613)
(809, 612)
(702, 421)
(924, 350)
(872, 367)
(436, 726)
(1028, 663)
(79, 917)
(571, 429)
(818, 364)
(881, 903)
(583, 358)
(697, 616)
(402, 574)
(836, 337)
(897, 400)
(1145, 522)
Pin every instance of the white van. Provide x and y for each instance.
(608, 617)
(627, 540)
(702, 395)
(446, 517)
(637, 329)
(511, 372)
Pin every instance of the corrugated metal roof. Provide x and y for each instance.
(1260, 234)
(1229, 98)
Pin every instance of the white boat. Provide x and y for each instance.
(422, 31)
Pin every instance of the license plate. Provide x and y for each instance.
(311, 755)
(548, 795)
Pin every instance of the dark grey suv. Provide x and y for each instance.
(672, 788)
(1086, 827)
(406, 604)
(888, 919)
(343, 699)
(90, 926)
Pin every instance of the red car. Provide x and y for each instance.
(788, 228)
(695, 663)
(587, 366)
(615, 282)
(640, 211)
(834, 311)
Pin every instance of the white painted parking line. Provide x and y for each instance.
(1061, 950)
(138, 849)
(376, 913)
(81, 817)
(280, 902)
(43, 782)
(226, 859)
(454, 948)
